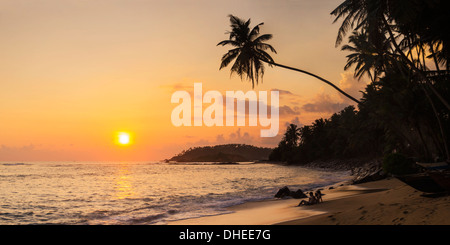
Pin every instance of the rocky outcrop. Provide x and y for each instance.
(223, 153)
(371, 171)
(362, 169)
(285, 192)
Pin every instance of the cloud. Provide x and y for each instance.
(288, 96)
(236, 137)
(220, 139)
(282, 92)
(271, 141)
(33, 152)
(26, 148)
(324, 103)
(295, 121)
(171, 88)
(351, 85)
(287, 110)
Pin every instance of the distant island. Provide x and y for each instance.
(223, 153)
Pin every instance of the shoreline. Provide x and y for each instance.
(382, 202)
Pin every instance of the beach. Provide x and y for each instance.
(383, 202)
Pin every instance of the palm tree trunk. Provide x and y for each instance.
(311, 74)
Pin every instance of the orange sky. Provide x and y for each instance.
(75, 72)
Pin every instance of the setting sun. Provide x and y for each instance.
(123, 138)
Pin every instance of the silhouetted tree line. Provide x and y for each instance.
(223, 153)
(403, 46)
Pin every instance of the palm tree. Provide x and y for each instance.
(364, 55)
(410, 20)
(292, 135)
(249, 53)
(249, 50)
(376, 18)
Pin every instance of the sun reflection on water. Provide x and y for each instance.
(123, 186)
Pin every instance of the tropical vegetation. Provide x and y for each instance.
(403, 47)
(223, 153)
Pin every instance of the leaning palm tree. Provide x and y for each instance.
(249, 53)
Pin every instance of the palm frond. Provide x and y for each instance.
(228, 57)
(263, 38)
(230, 42)
(265, 46)
(255, 31)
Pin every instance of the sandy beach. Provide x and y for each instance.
(384, 202)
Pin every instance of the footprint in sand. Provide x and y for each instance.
(332, 218)
(398, 220)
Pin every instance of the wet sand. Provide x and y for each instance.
(384, 202)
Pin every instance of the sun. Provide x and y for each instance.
(123, 138)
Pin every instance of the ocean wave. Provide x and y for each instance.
(207, 163)
(147, 219)
(16, 164)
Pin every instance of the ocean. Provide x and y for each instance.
(139, 193)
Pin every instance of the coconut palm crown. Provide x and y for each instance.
(249, 50)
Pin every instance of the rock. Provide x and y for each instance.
(369, 176)
(298, 194)
(371, 171)
(283, 192)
